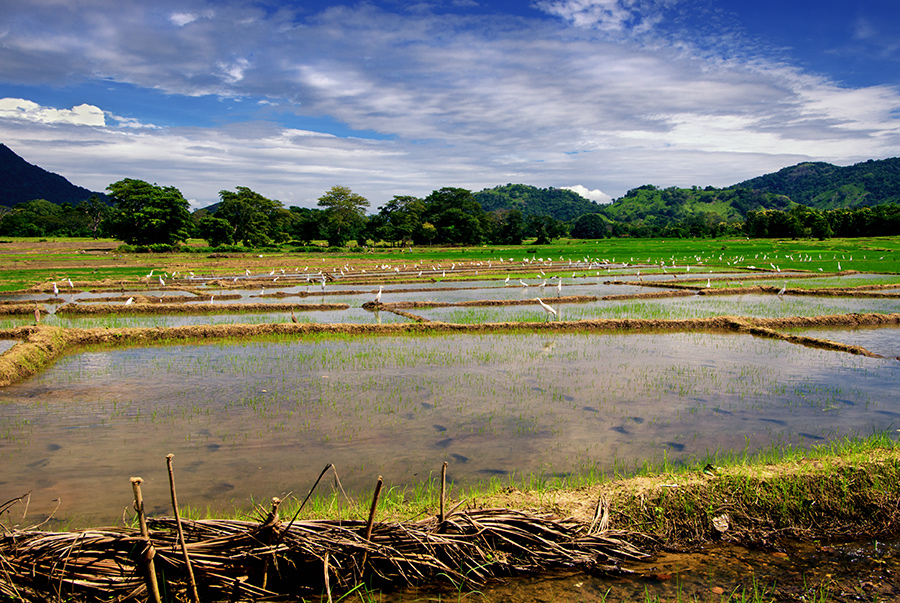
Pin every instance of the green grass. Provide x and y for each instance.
(880, 255)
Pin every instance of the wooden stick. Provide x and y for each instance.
(443, 490)
(371, 521)
(375, 496)
(148, 559)
(187, 561)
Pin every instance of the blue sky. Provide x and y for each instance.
(395, 97)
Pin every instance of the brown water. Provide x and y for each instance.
(247, 422)
(856, 571)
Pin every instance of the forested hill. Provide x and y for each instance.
(559, 203)
(826, 186)
(21, 181)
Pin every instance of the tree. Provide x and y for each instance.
(344, 215)
(147, 214)
(589, 226)
(216, 231)
(545, 228)
(457, 216)
(400, 218)
(96, 211)
(306, 224)
(255, 220)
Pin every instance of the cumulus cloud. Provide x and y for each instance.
(25, 110)
(592, 194)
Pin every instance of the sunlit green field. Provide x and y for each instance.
(27, 262)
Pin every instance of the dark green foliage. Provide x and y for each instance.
(506, 227)
(398, 220)
(40, 218)
(545, 229)
(306, 224)
(216, 231)
(146, 214)
(558, 203)
(457, 218)
(254, 219)
(802, 221)
(590, 226)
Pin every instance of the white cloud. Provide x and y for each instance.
(80, 115)
(594, 195)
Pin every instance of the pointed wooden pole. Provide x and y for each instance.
(149, 566)
(443, 490)
(371, 522)
(187, 561)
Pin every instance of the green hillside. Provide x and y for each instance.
(559, 203)
(826, 186)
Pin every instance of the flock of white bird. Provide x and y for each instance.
(585, 266)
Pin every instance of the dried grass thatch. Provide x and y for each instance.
(242, 560)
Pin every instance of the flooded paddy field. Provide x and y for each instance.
(252, 420)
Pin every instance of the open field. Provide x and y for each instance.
(536, 373)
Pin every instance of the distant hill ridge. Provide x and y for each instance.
(21, 181)
(816, 184)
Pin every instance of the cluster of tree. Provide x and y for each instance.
(41, 218)
(558, 203)
(148, 214)
(802, 222)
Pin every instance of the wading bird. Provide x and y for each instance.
(378, 295)
(547, 308)
(55, 290)
(129, 301)
(293, 318)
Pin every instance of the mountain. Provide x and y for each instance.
(826, 186)
(559, 203)
(21, 181)
(817, 185)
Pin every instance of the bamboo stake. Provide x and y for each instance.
(187, 561)
(443, 489)
(371, 520)
(150, 568)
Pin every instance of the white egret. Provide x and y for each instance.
(55, 290)
(71, 285)
(378, 295)
(129, 301)
(506, 282)
(523, 283)
(547, 308)
(558, 287)
(162, 282)
(783, 289)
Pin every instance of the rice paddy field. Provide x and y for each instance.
(253, 418)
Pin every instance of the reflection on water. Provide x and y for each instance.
(261, 419)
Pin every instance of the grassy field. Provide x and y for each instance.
(28, 262)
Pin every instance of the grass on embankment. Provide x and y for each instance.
(847, 488)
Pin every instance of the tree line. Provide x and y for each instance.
(144, 214)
